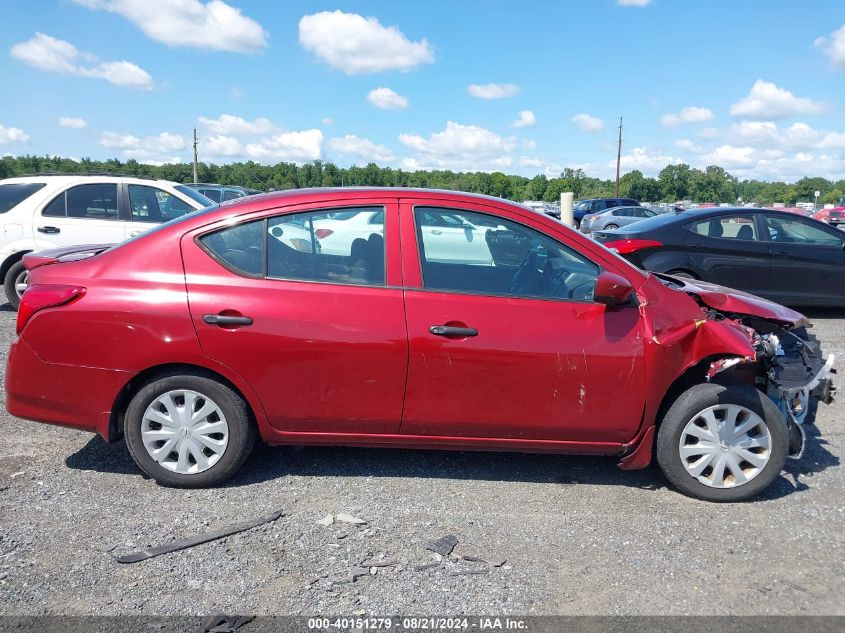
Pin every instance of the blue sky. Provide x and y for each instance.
(755, 86)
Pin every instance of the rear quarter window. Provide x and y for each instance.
(12, 194)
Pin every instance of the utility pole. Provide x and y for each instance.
(195, 159)
(618, 158)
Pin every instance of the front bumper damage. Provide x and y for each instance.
(791, 370)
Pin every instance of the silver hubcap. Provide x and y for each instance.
(184, 431)
(20, 282)
(725, 446)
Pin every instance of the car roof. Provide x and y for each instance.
(65, 179)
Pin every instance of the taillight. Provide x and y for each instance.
(623, 247)
(323, 233)
(39, 297)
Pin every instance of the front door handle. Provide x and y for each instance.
(49, 229)
(451, 331)
(226, 319)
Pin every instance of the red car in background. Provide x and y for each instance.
(834, 216)
(454, 321)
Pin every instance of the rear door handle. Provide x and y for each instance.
(49, 229)
(226, 319)
(452, 331)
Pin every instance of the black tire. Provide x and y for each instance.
(9, 283)
(697, 399)
(240, 427)
(610, 227)
(683, 274)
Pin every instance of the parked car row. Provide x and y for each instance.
(409, 318)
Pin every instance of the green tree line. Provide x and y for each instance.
(674, 182)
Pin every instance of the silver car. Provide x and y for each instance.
(613, 218)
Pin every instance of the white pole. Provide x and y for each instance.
(566, 213)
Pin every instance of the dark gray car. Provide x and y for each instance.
(610, 219)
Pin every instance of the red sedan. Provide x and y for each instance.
(413, 318)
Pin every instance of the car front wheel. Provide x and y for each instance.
(188, 431)
(722, 442)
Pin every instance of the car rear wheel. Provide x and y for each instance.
(611, 227)
(188, 431)
(15, 283)
(722, 443)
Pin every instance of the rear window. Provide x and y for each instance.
(12, 195)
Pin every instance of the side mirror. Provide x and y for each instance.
(612, 289)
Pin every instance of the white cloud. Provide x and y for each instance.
(526, 119)
(588, 123)
(72, 122)
(527, 161)
(228, 124)
(528, 143)
(834, 47)
(708, 132)
(221, 145)
(797, 137)
(361, 148)
(12, 135)
(460, 147)
(58, 56)
(386, 99)
(355, 44)
(296, 147)
(768, 101)
(687, 145)
(492, 91)
(633, 3)
(151, 150)
(689, 114)
(326, 120)
(213, 25)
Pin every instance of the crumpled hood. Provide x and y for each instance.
(730, 300)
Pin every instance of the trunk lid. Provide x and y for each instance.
(37, 259)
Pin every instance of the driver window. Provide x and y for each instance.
(465, 251)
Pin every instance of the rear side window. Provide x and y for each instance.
(324, 246)
(230, 195)
(93, 202)
(12, 195)
(212, 194)
(741, 227)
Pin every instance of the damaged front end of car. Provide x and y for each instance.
(788, 364)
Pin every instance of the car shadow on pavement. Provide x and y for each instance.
(269, 463)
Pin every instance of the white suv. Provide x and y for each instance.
(47, 211)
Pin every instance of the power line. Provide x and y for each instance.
(618, 158)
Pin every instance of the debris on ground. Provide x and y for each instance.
(219, 623)
(180, 544)
(348, 518)
(444, 545)
(326, 521)
(17, 474)
(357, 572)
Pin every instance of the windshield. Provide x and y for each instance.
(195, 195)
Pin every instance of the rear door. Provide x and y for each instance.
(808, 261)
(727, 250)
(82, 214)
(321, 338)
(533, 355)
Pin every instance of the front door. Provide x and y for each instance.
(514, 346)
(321, 338)
(808, 261)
